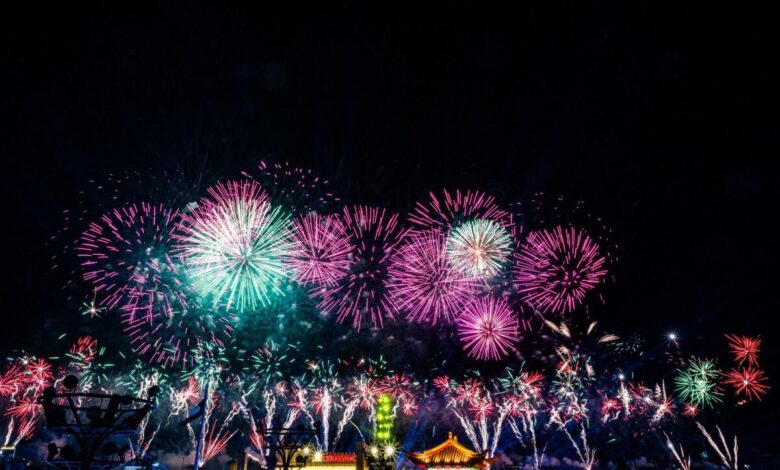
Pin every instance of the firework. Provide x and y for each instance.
(298, 190)
(690, 410)
(322, 250)
(697, 383)
(364, 291)
(235, 245)
(124, 250)
(429, 289)
(744, 349)
(487, 328)
(555, 269)
(749, 382)
(453, 209)
(479, 248)
(271, 362)
(168, 329)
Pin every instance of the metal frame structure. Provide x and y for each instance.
(91, 419)
(284, 443)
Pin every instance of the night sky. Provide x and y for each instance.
(663, 121)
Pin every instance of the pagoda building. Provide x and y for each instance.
(450, 454)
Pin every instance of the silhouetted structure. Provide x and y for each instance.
(95, 421)
(283, 445)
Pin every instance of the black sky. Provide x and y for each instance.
(663, 120)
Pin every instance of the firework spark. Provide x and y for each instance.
(487, 328)
(556, 268)
(236, 246)
(479, 248)
(428, 287)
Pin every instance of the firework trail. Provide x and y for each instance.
(428, 289)
(323, 249)
(555, 269)
(479, 248)
(487, 328)
(236, 246)
(364, 292)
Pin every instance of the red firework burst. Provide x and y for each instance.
(470, 390)
(744, 349)
(690, 410)
(24, 408)
(555, 269)
(749, 382)
(487, 328)
(11, 380)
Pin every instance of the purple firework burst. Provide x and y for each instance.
(364, 291)
(555, 269)
(428, 288)
(487, 328)
(323, 249)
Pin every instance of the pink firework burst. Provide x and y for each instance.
(452, 209)
(744, 349)
(323, 248)
(487, 328)
(555, 269)
(122, 250)
(428, 288)
(749, 382)
(364, 292)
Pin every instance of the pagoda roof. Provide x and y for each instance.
(450, 453)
